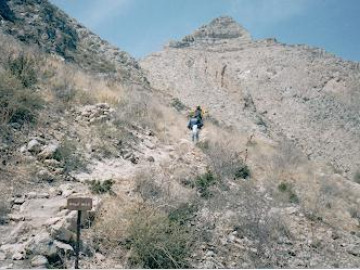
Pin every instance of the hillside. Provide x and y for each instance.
(79, 117)
(303, 93)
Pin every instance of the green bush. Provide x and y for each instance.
(242, 172)
(204, 181)
(283, 187)
(157, 242)
(101, 187)
(288, 190)
(17, 104)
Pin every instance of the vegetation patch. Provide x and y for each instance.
(177, 104)
(156, 241)
(67, 154)
(287, 189)
(204, 181)
(183, 213)
(242, 172)
(17, 104)
(357, 177)
(101, 187)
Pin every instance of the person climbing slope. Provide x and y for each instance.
(196, 123)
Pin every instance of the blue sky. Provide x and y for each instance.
(144, 26)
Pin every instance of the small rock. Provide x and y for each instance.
(149, 145)
(150, 159)
(31, 195)
(20, 200)
(19, 256)
(45, 175)
(16, 218)
(2, 256)
(23, 149)
(210, 253)
(52, 162)
(39, 261)
(55, 191)
(34, 146)
(43, 195)
(99, 257)
(134, 160)
(63, 248)
(353, 250)
(48, 151)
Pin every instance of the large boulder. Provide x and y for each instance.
(42, 244)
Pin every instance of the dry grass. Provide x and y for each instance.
(145, 234)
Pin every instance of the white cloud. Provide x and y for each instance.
(268, 11)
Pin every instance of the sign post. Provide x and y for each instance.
(79, 204)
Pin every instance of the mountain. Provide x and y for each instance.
(40, 23)
(262, 188)
(304, 93)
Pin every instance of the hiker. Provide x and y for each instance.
(196, 123)
(198, 112)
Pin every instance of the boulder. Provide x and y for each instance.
(31, 195)
(63, 249)
(19, 255)
(19, 200)
(34, 146)
(52, 162)
(48, 151)
(61, 233)
(15, 251)
(39, 261)
(42, 244)
(45, 175)
(353, 250)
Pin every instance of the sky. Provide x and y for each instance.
(141, 27)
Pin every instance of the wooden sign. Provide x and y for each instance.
(78, 203)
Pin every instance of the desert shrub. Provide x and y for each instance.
(4, 210)
(145, 184)
(242, 171)
(67, 154)
(101, 187)
(287, 189)
(224, 160)
(357, 177)
(24, 68)
(177, 104)
(183, 213)
(17, 104)
(156, 241)
(203, 145)
(204, 181)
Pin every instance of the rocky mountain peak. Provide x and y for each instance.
(218, 31)
(223, 27)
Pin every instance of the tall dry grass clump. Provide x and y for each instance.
(146, 234)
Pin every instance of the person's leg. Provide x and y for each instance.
(194, 133)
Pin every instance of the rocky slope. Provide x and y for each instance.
(40, 23)
(304, 93)
(244, 197)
